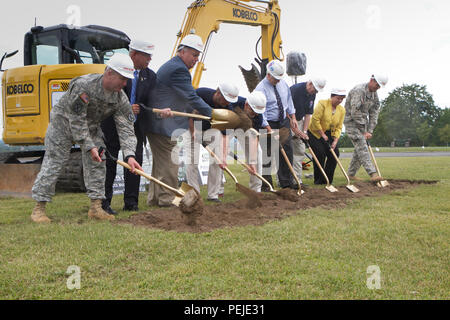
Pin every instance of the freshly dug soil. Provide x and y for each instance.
(274, 206)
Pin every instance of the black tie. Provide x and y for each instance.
(280, 105)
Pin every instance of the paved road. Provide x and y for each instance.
(402, 154)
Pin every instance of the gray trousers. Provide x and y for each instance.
(58, 142)
(164, 168)
(298, 149)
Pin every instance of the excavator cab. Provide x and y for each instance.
(65, 44)
(52, 57)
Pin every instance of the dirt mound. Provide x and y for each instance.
(274, 206)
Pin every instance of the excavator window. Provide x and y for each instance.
(45, 49)
(66, 44)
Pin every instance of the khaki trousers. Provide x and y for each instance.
(298, 148)
(165, 168)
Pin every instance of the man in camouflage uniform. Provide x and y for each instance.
(76, 119)
(361, 115)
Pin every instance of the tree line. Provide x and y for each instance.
(409, 117)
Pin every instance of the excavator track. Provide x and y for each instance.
(71, 178)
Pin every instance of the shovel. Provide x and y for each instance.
(283, 193)
(329, 187)
(246, 166)
(382, 183)
(252, 195)
(179, 193)
(349, 186)
(284, 135)
(220, 119)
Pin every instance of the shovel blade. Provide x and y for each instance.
(384, 183)
(352, 188)
(331, 188)
(183, 189)
(223, 119)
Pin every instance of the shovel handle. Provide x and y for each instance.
(290, 166)
(218, 161)
(340, 164)
(372, 155)
(318, 164)
(246, 166)
(185, 114)
(149, 177)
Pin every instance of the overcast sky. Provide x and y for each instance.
(345, 41)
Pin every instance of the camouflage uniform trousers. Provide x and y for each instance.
(58, 143)
(361, 155)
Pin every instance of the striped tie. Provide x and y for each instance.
(280, 104)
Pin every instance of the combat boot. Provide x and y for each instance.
(38, 214)
(355, 178)
(96, 211)
(374, 177)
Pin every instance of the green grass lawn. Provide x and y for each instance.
(316, 254)
(403, 149)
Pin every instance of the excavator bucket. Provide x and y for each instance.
(252, 77)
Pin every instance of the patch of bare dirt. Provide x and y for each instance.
(274, 206)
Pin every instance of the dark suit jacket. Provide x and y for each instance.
(145, 86)
(174, 90)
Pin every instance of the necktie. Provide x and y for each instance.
(280, 104)
(133, 90)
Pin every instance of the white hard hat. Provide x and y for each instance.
(192, 41)
(339, 91)
(275, 69)
(318, 83)
(229, 91)
(381, 79)
(142, 46)
(122, 64)
(257, 101)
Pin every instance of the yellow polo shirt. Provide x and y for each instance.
(324, 119)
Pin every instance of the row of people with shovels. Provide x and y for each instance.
(92, 98)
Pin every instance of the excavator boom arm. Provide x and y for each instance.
(205, 16)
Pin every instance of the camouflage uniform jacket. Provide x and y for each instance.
(86, 104)
(360, 105)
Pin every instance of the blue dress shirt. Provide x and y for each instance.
(272, 112)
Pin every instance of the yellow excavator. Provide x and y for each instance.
(55, 55)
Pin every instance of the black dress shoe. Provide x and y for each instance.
(133, 207)
(214, 200)
(109, 210)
